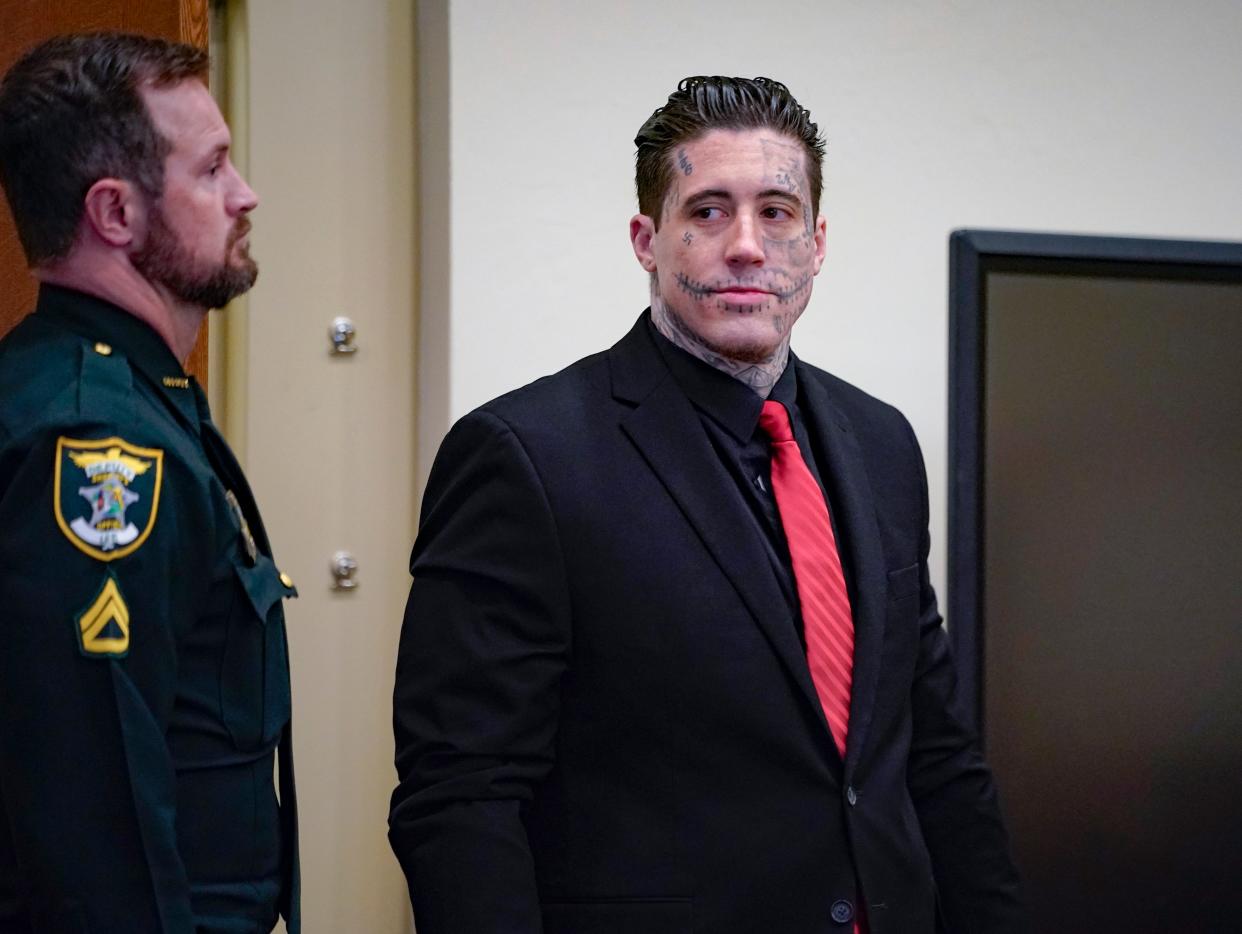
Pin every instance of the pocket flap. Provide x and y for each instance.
(261, 584)
(903, 582)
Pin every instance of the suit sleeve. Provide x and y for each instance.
(86, 780)
(951, 785)
(483, 649)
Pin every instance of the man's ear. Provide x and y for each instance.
(821, 242)
(642, 231)
(115, 212)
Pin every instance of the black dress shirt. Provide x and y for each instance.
(729, 412)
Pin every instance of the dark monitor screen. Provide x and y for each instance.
(1102, 622)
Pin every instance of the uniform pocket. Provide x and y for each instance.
(254, 680)
(618, 916)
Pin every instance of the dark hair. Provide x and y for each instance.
(704, 103)
(71, 114)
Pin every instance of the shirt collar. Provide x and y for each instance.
(728, 401)
(105, 323)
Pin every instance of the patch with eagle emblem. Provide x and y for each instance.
(107, 494)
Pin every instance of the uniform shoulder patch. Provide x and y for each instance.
(107, 494)
(103, 626)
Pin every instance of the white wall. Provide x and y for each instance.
(1090, 116)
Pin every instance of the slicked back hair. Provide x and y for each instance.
(71, 114)
(704, 103)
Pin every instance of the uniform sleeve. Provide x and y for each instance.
(951, 785)
(87, 677)
(483, 648)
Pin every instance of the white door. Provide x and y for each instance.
(322, 102)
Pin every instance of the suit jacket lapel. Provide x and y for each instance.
(666, 429)
(853, 508)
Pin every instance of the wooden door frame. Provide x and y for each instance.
(25, 24)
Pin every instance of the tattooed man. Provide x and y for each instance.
(671, 660)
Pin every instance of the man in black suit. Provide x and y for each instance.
(640, 687)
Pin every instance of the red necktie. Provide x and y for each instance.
(826, 618)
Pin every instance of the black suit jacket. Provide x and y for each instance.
(605, 722)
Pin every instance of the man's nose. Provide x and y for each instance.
(243, 199)
(745, 243)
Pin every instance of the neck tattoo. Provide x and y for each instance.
(760, 376)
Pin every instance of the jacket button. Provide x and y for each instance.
(851, 796)
(842, 911)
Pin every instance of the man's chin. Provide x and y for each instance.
(219, 290)
(246, 273)
(750, 354)
(240, 279)
(743, 348)
(743, 340)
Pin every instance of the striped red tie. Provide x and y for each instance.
(826, 618)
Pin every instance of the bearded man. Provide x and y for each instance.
(144, 682)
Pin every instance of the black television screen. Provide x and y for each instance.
(1095, 566)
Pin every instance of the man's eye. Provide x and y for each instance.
(708, 213)
(775, 213)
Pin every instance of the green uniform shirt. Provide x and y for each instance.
(144, 682)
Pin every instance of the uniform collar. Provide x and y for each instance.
(730, 402)
(104, 323)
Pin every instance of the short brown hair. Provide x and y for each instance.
(704, 103)
(71, 114)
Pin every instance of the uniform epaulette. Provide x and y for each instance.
(38, 378)
(105, 385)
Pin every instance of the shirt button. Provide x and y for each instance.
(851, 795)
(286, 580)
(842, 911)
(103, 349)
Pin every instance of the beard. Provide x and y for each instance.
(165, 261)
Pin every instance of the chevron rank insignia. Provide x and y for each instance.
(103, 626)
(107, 494)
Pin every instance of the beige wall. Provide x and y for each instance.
(1105, 116)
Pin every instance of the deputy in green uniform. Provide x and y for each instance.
(144, 682)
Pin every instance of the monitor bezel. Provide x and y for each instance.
(974, 254)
